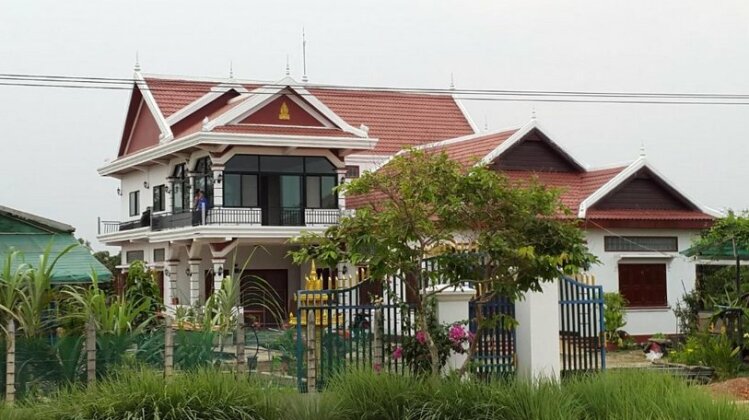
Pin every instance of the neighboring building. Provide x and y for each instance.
(635, 220)
(33, 235)
(267, 158)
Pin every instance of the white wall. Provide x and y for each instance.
(133, 181)
(680, 276)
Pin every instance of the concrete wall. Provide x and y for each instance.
(680, 275)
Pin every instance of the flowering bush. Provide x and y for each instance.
(415, 350)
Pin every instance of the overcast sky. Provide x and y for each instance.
(54, 139)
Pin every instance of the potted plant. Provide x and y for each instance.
(614, 319)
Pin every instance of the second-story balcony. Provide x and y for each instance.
(226, 216)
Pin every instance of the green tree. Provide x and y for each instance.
(108, 260)
(421, 203)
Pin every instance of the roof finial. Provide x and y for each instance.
(304, 57)
(137, 62)
(486, 123)
(533, 112)
(642, 149)
(231, 69)
(452, 81)
(288, 69)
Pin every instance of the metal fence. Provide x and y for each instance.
(495, 351)
(345, 328)
(581, 329)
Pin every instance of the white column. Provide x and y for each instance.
(194, 281)
(218, 267)
(452, 307)
(538, 333)
(170, 282)
(340, 174)
(218, 188)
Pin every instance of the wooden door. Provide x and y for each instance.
(208, 283)
(160, 284)
(643, 285)
(255, 294)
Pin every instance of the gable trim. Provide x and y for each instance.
(273, 91)
(166, 131)
(519, 136)
(196, 105)
(37, 221)
(628, 173)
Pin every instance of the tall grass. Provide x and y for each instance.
(145, 394)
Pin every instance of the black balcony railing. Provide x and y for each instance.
(284, 216)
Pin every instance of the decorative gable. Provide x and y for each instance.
(287, 110)
(141, 130)
(537, 153)
(644, 190)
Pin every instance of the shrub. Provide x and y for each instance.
(715, 351)
(613, 315)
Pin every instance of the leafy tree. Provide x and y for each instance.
(109, 261)
(421, 205)
(141, 288)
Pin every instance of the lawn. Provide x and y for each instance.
(145, 394)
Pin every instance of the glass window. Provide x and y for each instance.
(134, 204)
(158, 198)
(232, 190)
(318, 165)
(313, 192)
(352, 171)
(282, 164)
(204, 178)
(243, 163)
(249, 190)
(180, 189)
(132, 256)
(290, 191)
(328, 196)
(159, 254)
(640, 243)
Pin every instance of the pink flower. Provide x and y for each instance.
(456, 334)
(397, 353)
(421, 337)
(377, 368)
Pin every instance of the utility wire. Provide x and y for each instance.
(189, 86)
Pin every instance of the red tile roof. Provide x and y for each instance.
(173, 95)
(397, 119)
(575, 186)
(646, 214)
(470, 151)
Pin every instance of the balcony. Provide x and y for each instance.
(226, 216)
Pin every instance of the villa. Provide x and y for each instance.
(267, 156)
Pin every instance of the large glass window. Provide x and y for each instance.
(158, 198)
(279, 182)
(134, 203)
(180, 189)
(204, 178)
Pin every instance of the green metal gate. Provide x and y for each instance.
(344, 322)
(581, 333)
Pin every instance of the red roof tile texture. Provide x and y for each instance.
(470, 151)
(397, 119)
(645, 214)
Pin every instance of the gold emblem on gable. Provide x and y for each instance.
(283, 114)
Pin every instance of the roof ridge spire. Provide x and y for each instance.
(231, 69)
(305, 79)
(642, 148)
(136, 67)
(452, 81)
(288, 69)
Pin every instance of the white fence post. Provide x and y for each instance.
(537, 332)
(10, 364)
(168, 347)
(452, 307)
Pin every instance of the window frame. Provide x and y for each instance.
(134, 205)
(138, 252)
(633, 240)
(352, 171)
(182, 181)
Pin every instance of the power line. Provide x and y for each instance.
(501, 95)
